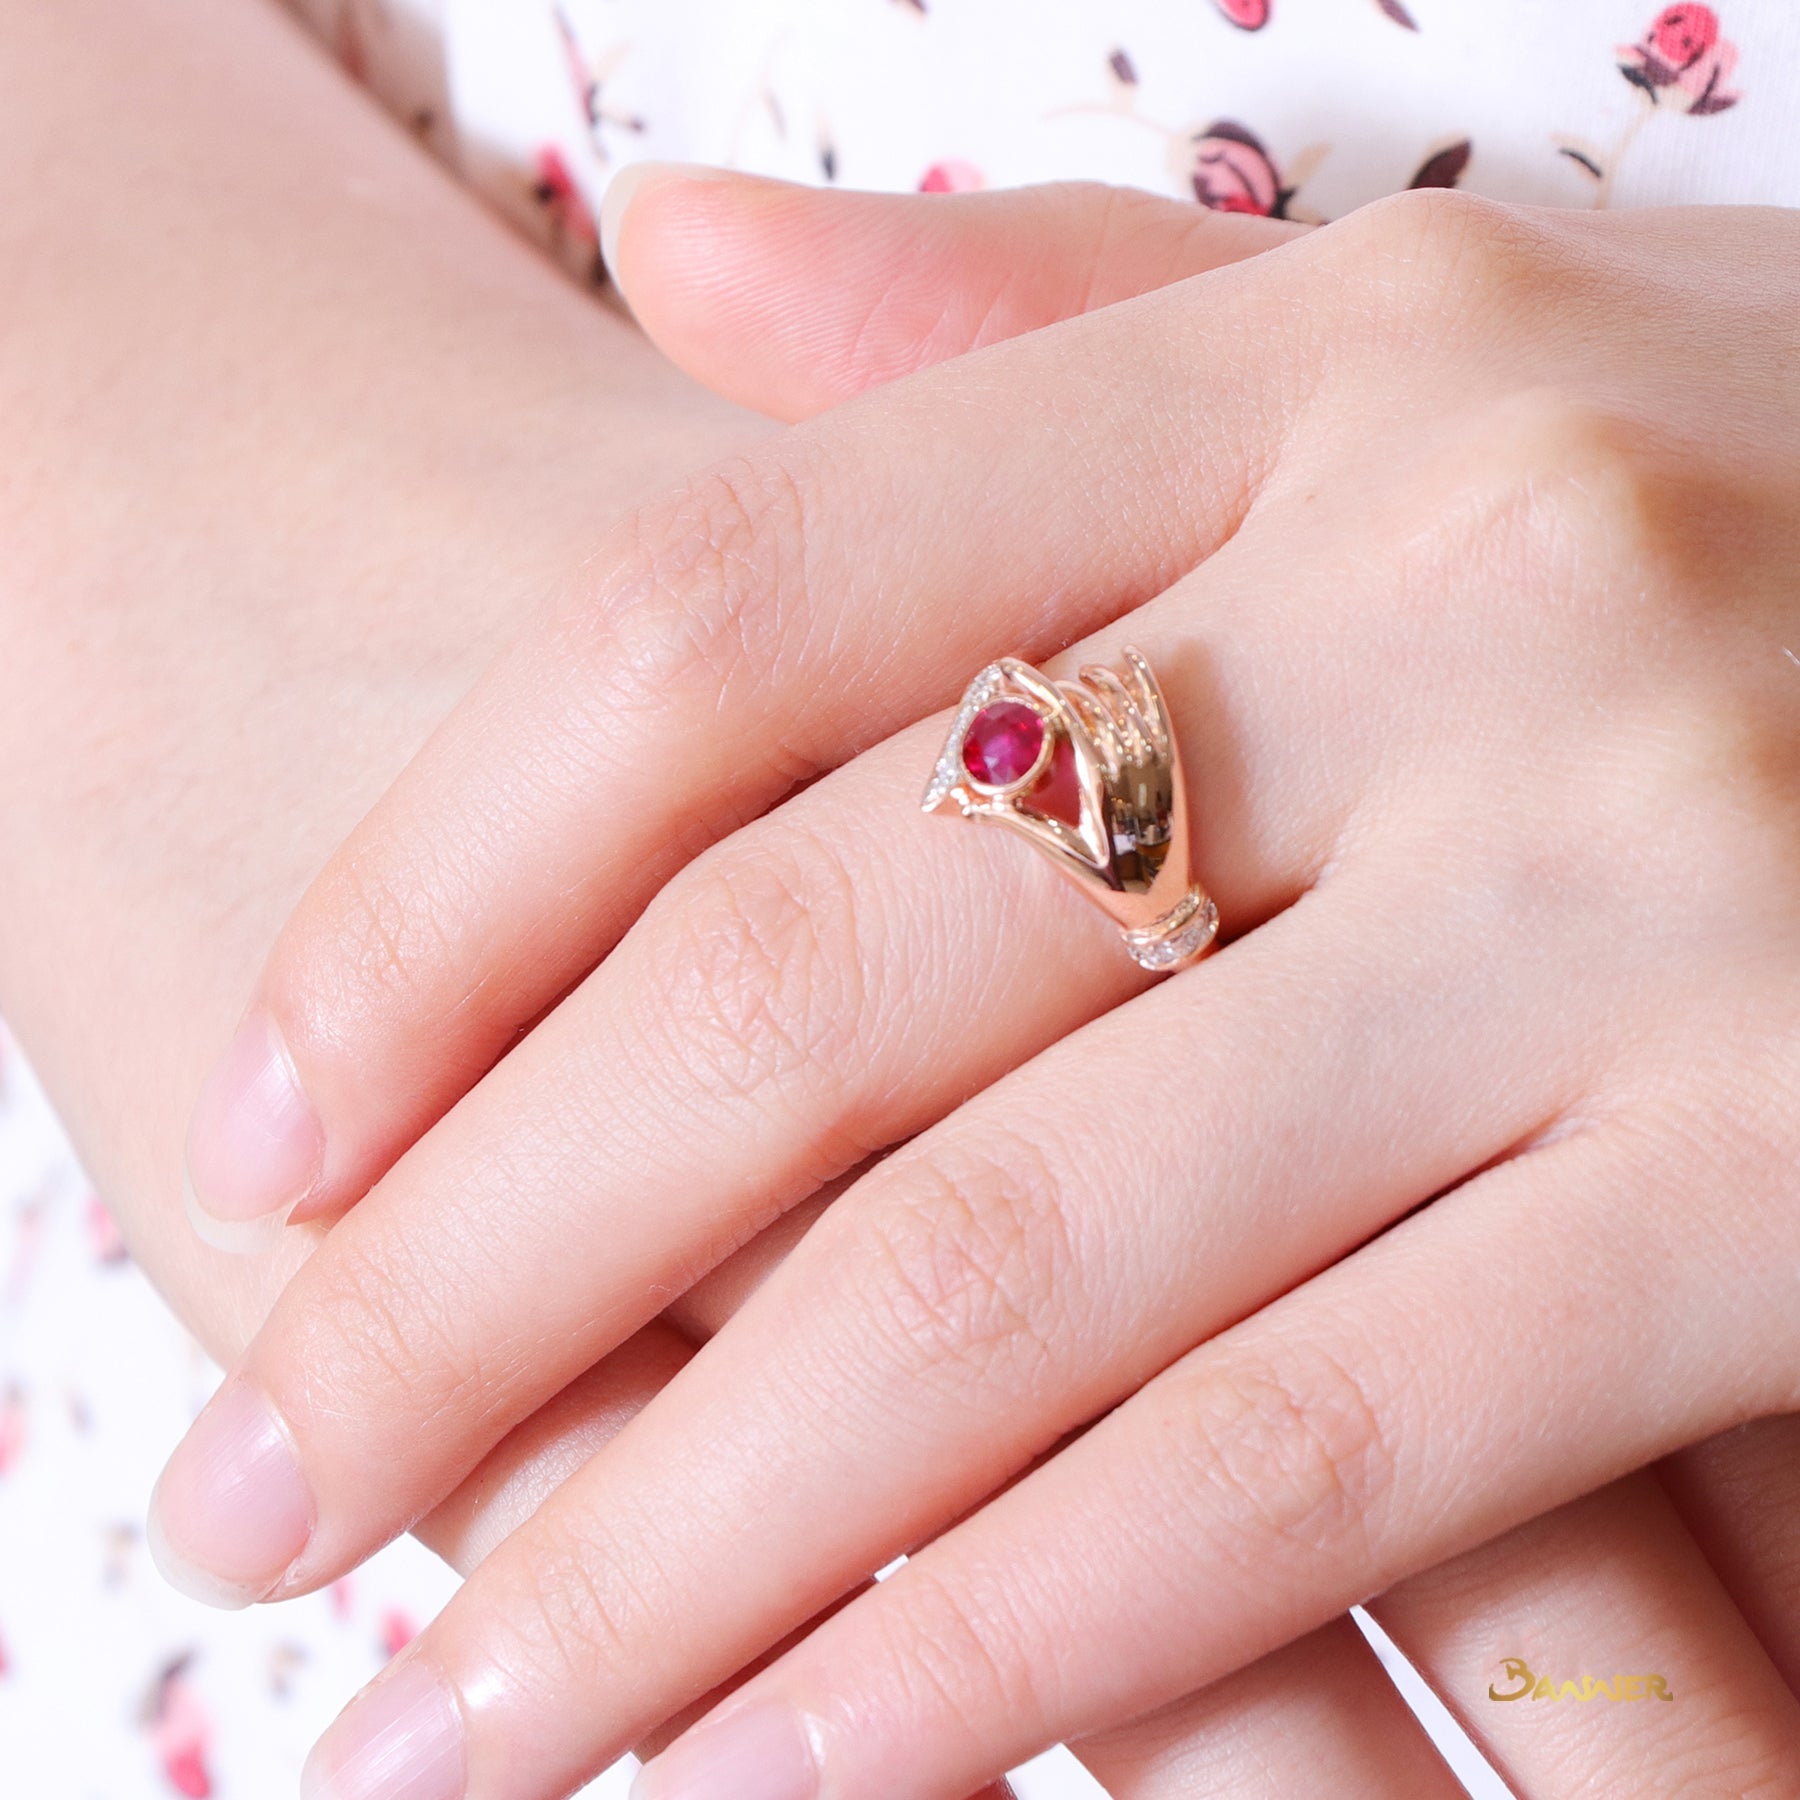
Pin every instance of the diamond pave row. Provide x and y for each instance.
(986, 686)
(1179, 935)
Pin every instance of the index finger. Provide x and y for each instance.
(757, 626)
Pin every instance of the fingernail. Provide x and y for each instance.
(232, 1510)
(759, 1753)
(401, 1738)
(629, 183)
(255, 1145)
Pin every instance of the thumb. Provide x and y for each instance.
(789, 299)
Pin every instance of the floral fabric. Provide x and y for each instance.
(1300, 108)
(114, 1688)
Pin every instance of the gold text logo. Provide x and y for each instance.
(1519, 1683)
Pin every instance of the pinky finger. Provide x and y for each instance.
(1593, 1651)
(1739, 1494)
(1322, 1706)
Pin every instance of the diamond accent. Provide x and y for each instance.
(989, 685)
(1177, 938)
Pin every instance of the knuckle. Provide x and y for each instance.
(369, 940)
(967, 1250)
(1438, 260)
(395, 1345)
(585, 1603)
(1289, 1454)
(1609, 524)
(706, 588)
(764, 969)
(967, 1654)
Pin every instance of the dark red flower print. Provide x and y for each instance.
(1234, 173)
(1682, 61)
(1398, 14)
(1123, 68)
(1246, 15)
(572, 229)
(1444, 168)
(952, 176)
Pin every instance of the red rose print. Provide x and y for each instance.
(1682, 61)
(1234, 173)
(1246, 15)
(951, 177)
(1682, 33)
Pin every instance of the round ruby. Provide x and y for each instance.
(1003, 743)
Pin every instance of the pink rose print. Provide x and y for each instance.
(1234, 173)
(1246, 15)
(14, 1410)
(1682, 59)
(105, 1244)
(952, 176)
(1253, 15)
(1679, 67)
(397, 1631)
(180, 1731)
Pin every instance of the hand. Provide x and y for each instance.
(1398, 1066)
(171, 771)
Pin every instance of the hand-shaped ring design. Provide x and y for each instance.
(1089, 772)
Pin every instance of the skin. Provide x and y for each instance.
(963, 1283)
(157, 838)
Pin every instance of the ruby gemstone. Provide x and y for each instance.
(1003, 743)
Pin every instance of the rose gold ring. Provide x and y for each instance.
(1089, 772)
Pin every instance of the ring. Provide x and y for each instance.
(1089, 772)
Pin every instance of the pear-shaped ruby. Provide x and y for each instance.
(1003, 743)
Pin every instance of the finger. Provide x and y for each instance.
(1739, 1494)
(1316, 1452)
(538, 1457)
(789, 299)
(798, 999)
(983, 1293)
(1321, 1703)
(759, 626)
(1593, 1651)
